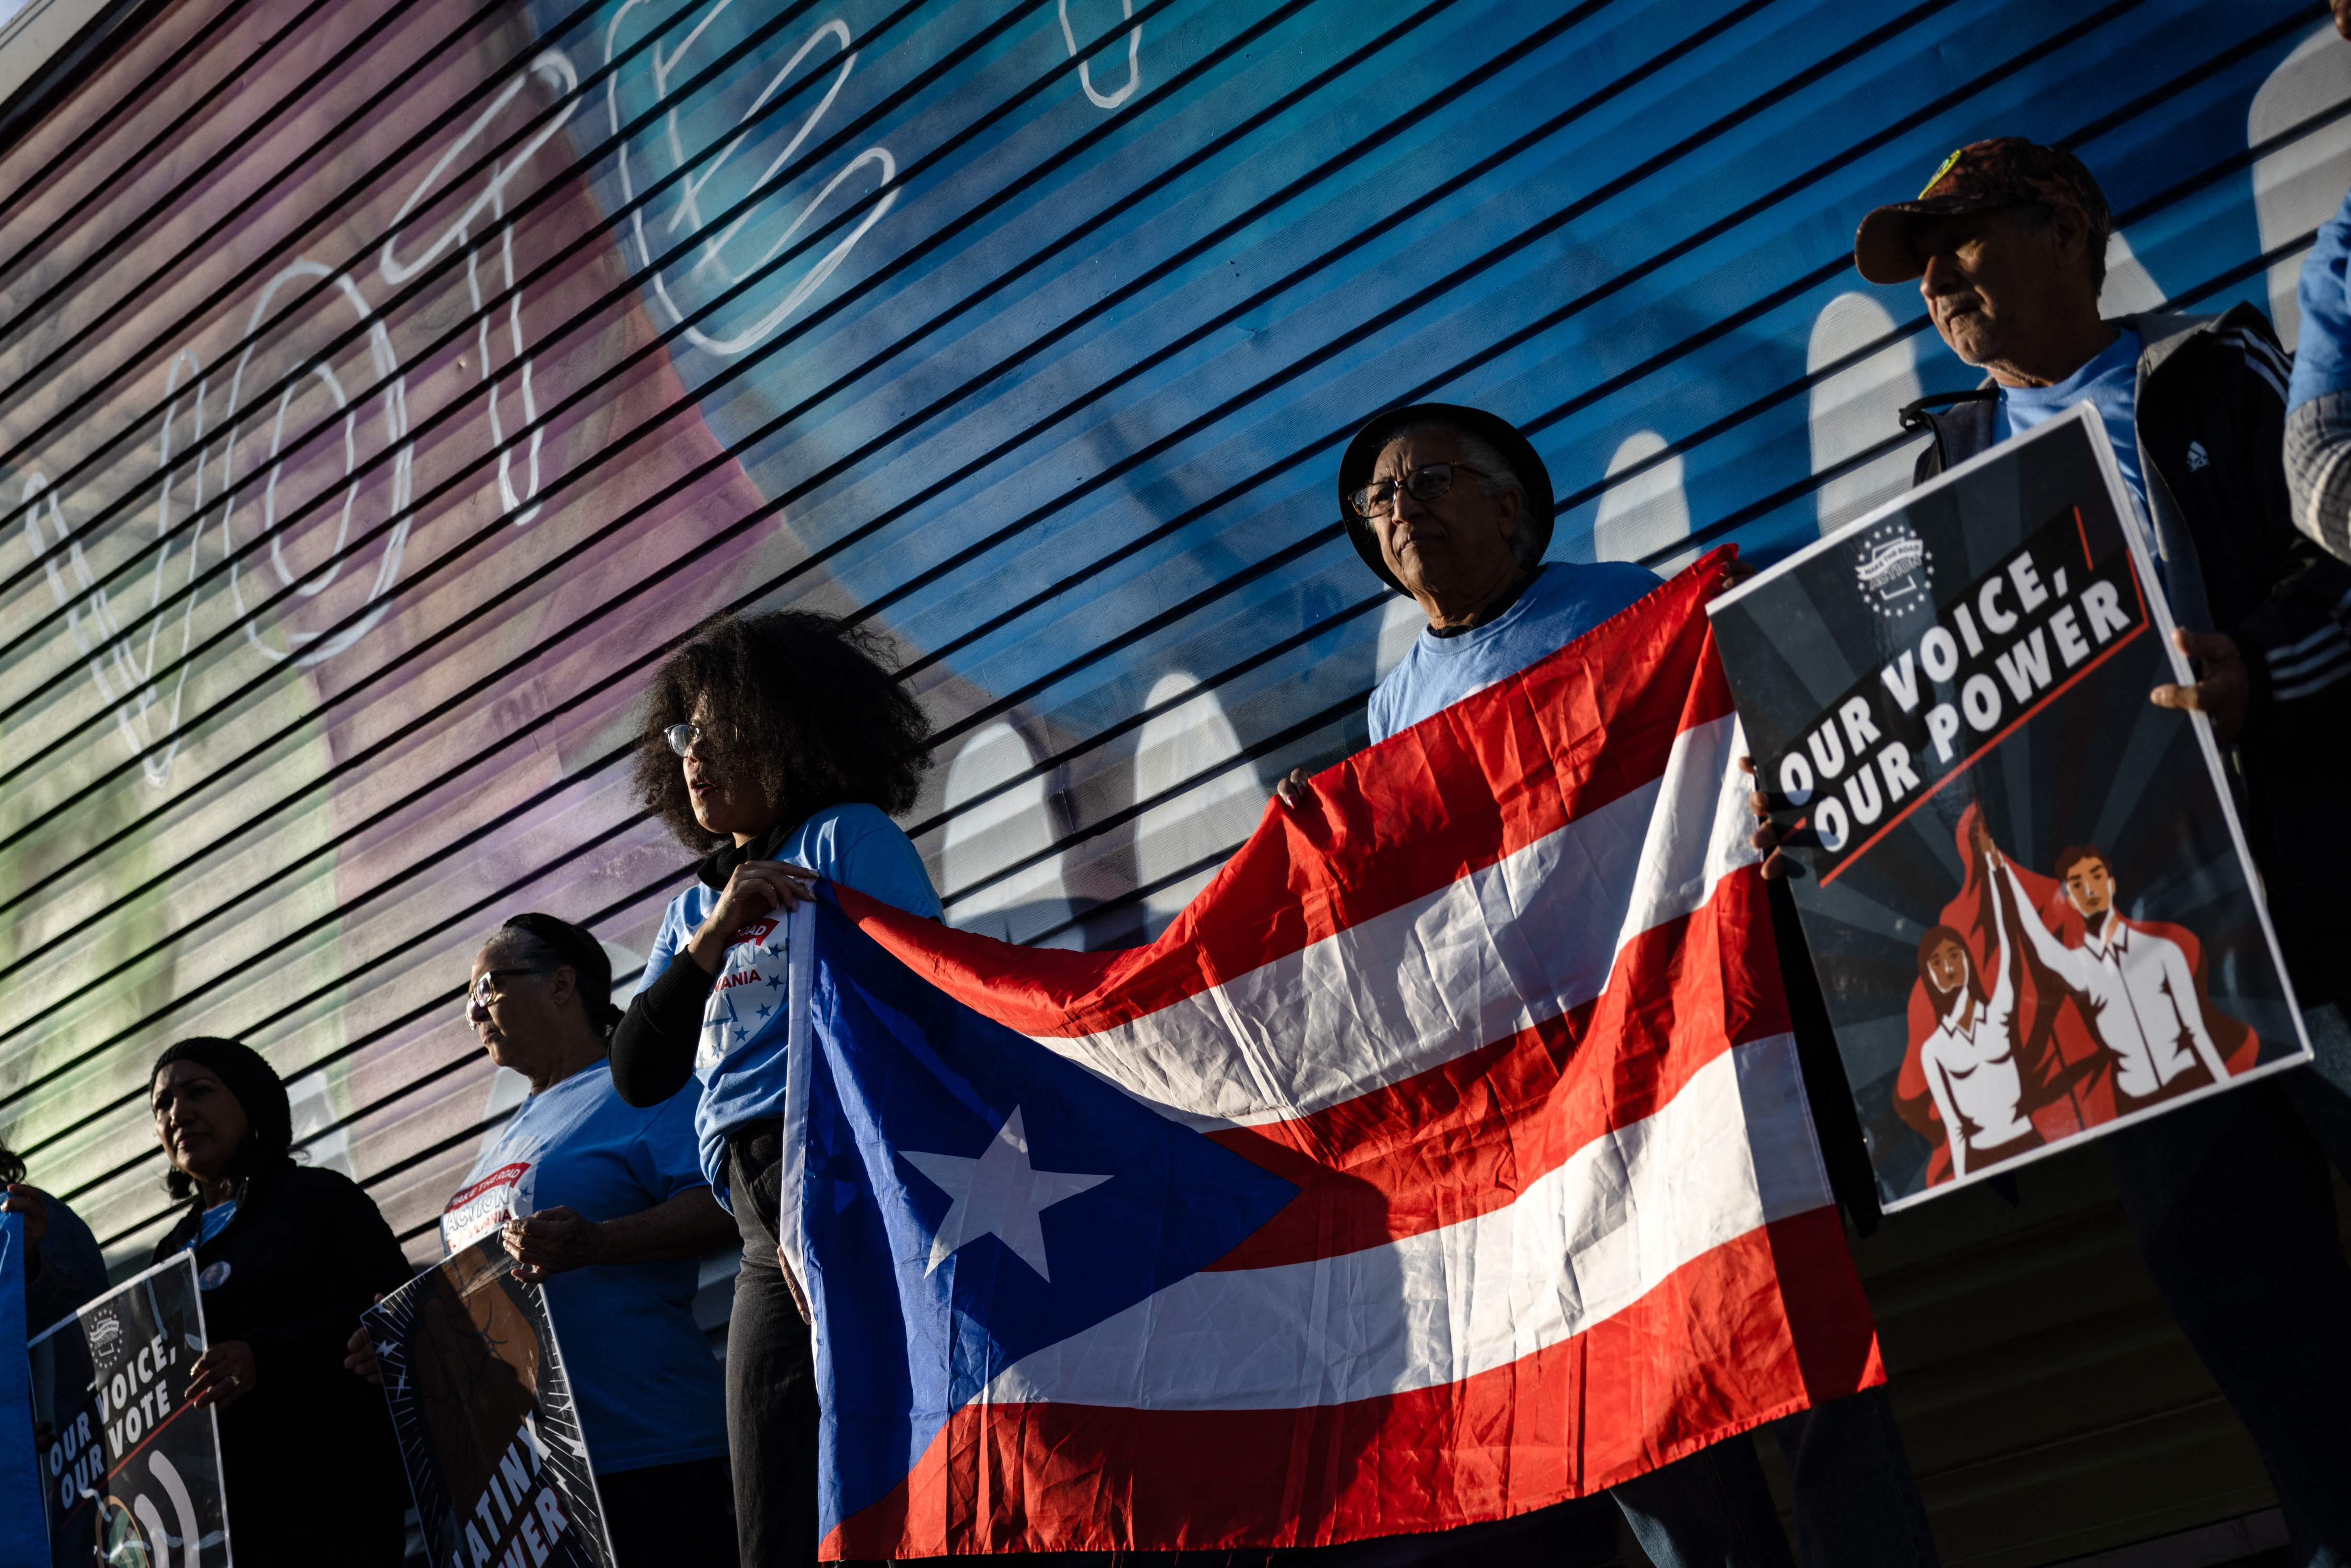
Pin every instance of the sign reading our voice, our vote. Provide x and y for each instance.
(130, 1472)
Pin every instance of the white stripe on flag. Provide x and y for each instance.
(799, 955)
(1732, 1151)
(1517, 943)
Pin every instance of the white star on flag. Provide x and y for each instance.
(1000, 1193)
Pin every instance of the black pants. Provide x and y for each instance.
(662, 1515)
(771, 1411)
(2235, 1215)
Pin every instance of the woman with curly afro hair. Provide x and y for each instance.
(780, 745)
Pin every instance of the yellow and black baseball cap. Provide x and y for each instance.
(2002, 171)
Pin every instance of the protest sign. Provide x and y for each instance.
(22, 1542)
(2025, 891)
(130, 1472)
(487, 1429)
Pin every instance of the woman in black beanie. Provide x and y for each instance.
(287, 1255)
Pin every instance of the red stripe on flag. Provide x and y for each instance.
(1454, 794)
(1708, 1354)
(1466, 1138)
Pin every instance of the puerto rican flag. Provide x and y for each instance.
(1445, 1158)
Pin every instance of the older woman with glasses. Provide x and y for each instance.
(604, 1206)
(778, 746)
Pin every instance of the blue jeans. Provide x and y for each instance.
(1856, 1505)
(2235, 1217)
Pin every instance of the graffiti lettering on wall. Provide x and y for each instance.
(240, 468)
(369, 426)
(230, 482)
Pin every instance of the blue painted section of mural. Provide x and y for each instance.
(371, 425)
(1087, 354)
(1029, 332)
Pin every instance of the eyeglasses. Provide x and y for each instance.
(682, 736)
(484, 993)
(1425, 482)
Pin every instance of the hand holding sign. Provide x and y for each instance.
(1766, 836)
(2221, 695)
(360, 1358)
(552, 1241)
(222, 1374)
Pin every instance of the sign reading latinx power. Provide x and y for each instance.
(2025, 891)
(487, 1429)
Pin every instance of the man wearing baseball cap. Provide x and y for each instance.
(1453, 506)
(2007, 244)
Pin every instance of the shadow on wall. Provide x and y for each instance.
(1852, 410)
(1648, 509)
(1204, 822)
(2129, 288)
(2298, 186)
(1001, 837)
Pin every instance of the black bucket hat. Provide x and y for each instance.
(1363, 454)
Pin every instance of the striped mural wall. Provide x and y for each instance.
(385, 387)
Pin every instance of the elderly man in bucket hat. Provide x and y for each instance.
(1453, 506)
(2229, 1195)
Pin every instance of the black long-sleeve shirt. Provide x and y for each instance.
(308, 1454)
(654, 1044)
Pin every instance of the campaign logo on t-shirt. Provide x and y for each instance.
(750, 993)
(481, 1208)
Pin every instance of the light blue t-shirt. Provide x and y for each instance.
(2322, 359)
(1565, 601)
(649, 1391)
(2108, 383)
(741, 1062)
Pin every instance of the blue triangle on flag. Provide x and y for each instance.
(901, 1070)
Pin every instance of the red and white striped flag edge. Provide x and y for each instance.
(1502, 1000)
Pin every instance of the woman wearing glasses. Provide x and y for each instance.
(604, 1206)
(778, 746)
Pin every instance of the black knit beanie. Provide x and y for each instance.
(269, 1116)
